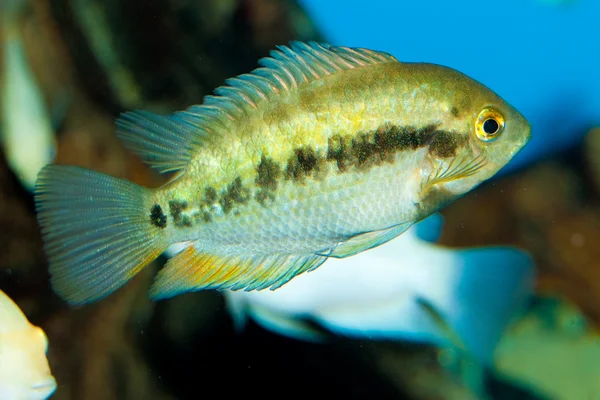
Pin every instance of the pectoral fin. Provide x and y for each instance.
(365, 241)
(457, 169)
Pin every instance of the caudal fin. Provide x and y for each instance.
(96, 230)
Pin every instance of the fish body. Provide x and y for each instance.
(323, 152)
(379, 294)
(317, 154)
(24, 370)
(27, 133)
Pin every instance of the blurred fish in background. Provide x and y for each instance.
(27, 132)
(380, 295)
(24, 370)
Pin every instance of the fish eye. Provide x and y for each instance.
(489, 125)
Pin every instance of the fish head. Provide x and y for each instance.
(24, 369)
(498, 133)
(483, 133)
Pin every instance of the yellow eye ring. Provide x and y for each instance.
(489, 125)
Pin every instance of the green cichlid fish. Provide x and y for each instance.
(323, 152)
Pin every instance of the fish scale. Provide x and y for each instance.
(323, 151)
(339, 206)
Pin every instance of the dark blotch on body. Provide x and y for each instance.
(234, 193)
(367, 149)
(157, 217)
(338, 150)
(268, 173)
(390, 139)
(206, 217)
(445, 144)
(210, 196)
(176, 209)
(454, 111)
(303, 163)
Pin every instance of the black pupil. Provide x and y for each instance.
(490, 126)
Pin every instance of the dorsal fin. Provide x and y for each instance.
(168, 143)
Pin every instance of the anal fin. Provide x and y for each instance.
(192, 270)
(365, 241)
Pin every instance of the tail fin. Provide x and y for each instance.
(96, 230)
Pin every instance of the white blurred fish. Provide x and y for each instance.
(381, 294)
(27, 133)
(24, 370)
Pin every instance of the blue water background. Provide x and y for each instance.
(543, 58)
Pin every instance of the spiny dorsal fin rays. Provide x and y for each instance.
(165, 143)
(168, 143)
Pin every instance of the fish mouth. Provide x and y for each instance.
(44, 389)
(522, 143)
(527, 136)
